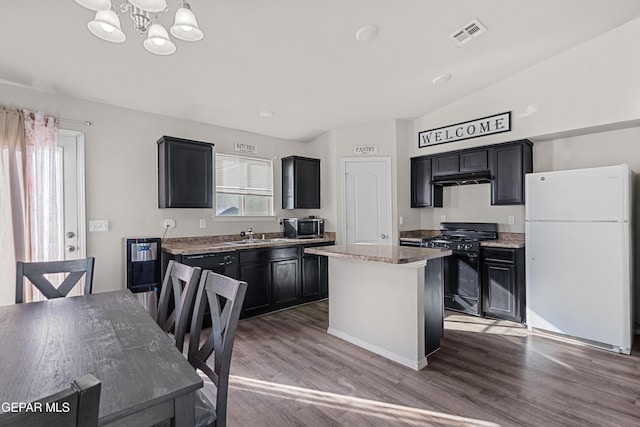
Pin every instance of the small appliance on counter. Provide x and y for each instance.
(144, 273)
(303, 228)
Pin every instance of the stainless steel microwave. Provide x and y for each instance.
(303, 228)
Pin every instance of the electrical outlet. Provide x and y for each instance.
(511, 219)
(203, 223)
(169, 223)
(443, 218)
(98, 225)
(401, 220)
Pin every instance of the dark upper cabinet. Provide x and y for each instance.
(474, 160)
(460, 162)
(185, 173)
(503, 283)
(446, 164)
(300, 183)
(423, 193)
(508, 164)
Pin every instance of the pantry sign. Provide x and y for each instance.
(489, 125)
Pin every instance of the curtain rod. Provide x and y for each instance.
(80, 122)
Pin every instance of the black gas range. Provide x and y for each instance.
(463, 269)
(462, 237)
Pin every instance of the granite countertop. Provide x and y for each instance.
(380, 253)
(501, 243)
(206, 244)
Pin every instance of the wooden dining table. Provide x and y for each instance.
(45, 345)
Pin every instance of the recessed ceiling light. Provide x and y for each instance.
(442, 78)
(366, 33)
(267, 114)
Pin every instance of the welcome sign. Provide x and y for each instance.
(489, 125)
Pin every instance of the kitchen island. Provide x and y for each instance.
(387, 299)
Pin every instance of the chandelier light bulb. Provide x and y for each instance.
(144, 14)
(106, 26)
(185, 26)
(95, 5)
(158, 41)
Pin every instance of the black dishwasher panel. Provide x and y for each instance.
(225, 263)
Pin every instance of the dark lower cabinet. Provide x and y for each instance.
(285, 283)
(258, 297)
(277, 277)
(504, 284)
(315, 277)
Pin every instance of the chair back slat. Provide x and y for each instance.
(35, 271)
(225, 297)
(77, 405)
(179, 286)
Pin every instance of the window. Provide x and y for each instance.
(244, 186)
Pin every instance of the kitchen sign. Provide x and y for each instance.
(489, 125)
(245, 148)
(363, 150)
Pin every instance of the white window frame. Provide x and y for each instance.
(268, 216)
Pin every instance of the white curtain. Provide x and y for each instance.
(30, 198)
(43, 186)
(13, 200)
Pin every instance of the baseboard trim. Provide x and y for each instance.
(415, 365)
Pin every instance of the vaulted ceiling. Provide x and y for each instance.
(297, 58)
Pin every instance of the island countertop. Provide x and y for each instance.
(380, 253)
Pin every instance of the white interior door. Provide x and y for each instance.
(366, 187)
(71, 161)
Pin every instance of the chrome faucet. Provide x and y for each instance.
(248, 234)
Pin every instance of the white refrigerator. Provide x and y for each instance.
(578, 255)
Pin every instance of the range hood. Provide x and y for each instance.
(476, 177)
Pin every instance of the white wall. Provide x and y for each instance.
(380, 133)
(591, 87)
(121, 174)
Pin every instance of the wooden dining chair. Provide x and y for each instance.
(35, 271)
(176, 300)
(77, 405)
(224, 296)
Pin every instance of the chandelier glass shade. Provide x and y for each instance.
(144, 15)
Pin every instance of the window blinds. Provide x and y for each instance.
(243, 175)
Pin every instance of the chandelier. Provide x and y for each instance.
(144, 14)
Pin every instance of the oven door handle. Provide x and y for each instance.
(472, 255)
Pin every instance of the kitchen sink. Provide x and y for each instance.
(258, 241)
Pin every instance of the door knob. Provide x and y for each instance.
(384, 236)
(70, 248)
(70, 234)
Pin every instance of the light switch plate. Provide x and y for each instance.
(511, 219)
(203, 223)
(98, 225)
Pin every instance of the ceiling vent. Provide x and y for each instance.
(469, 32)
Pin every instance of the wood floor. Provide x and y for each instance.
(287, 371)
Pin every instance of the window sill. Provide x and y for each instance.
(226, 218)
